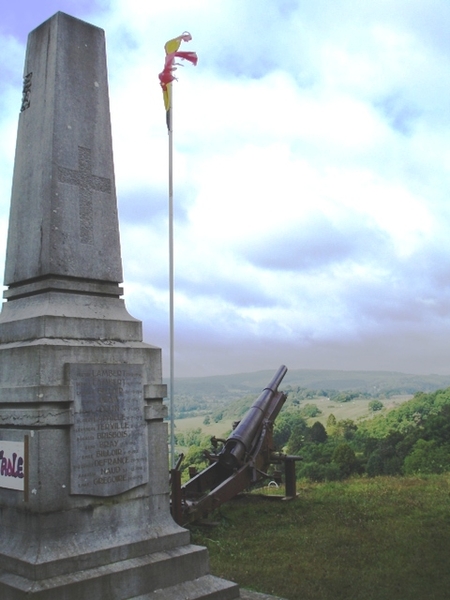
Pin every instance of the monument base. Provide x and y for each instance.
(70, 534)
(60, 541)
(180, 573)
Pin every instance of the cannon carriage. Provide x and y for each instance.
(242, 461)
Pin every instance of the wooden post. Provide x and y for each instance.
(290, 477)
(175, 483)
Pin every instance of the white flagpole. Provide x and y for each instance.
(171, 285)
(166, 78)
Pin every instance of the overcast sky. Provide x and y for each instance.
(312, 171)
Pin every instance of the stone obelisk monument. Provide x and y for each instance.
(84, 504)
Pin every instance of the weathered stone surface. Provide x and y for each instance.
(63, 172)
(67, 316)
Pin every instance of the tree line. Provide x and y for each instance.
(413, 438)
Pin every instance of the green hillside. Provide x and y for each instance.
(196, 396)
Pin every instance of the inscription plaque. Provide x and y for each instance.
(109, 435)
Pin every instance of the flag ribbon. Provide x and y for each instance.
(166, 77)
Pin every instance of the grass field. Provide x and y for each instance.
(361, 539)
(218, 429)
(355, 409)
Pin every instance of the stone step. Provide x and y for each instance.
(122, 580)
(207, 587)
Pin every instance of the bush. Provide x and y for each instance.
(195, 457)
(318, 472)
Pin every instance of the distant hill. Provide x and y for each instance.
(198, 395)
(371, 382)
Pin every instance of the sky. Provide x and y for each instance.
(311, 177)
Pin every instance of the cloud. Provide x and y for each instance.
(311, 178)
(317, 243)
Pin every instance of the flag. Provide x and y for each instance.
(167, 74)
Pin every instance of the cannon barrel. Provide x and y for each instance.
(244, 436)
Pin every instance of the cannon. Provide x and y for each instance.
(242, 461)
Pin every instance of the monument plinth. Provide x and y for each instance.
(84, 499)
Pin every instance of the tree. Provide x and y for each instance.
(331, 421)
(345, 396)
(290, 428)
(385, 456)
(375, 465)
(310, 411)
(376, 405)
(281, 431)
(427, 457)
(345, 458)
(296, 440)
(318, 433)
(195, 457)
(331, 425)
(195, 437)
(437, 427)
(345, 428)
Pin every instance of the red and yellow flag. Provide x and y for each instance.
(167, 74)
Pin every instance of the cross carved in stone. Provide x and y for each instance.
(87, 183)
